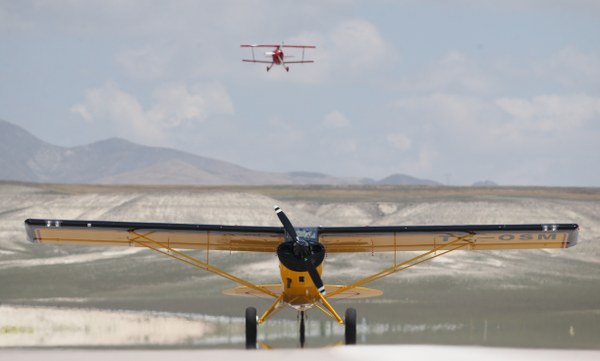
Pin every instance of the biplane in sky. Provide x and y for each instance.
(301, 252)
(277, 56)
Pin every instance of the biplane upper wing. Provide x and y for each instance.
(277, 45)
(426, 238)
(140, 234)
(258, 61)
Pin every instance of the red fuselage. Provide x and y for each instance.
(277, 56)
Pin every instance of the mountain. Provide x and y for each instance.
(485, 183)
(403, 179)
(23, 157)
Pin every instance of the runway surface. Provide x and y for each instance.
(347, 353)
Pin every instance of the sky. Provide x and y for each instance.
(454, 91)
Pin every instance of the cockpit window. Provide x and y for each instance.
(307, 233)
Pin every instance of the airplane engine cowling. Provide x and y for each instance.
(292, 260)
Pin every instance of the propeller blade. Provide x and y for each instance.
(287, 225)
(316, 277)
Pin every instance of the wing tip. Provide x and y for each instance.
(29, 230)
(573, 236)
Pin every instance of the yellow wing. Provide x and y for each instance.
(425, 238)
(335, 239)
(135, 234)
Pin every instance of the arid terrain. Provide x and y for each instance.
(125, 297)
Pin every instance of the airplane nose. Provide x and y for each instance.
(301, 249)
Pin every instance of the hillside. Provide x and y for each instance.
(23, 157)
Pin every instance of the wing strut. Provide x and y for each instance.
(180, 256)
(331, 312)
(427, 256)
(276, 306)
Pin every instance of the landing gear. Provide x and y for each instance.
(268, 68)
(252, 321)
(302, 330)
(251, 328)
(287, 68)
(350, 323)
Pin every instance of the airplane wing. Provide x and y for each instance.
(270, 61)
(259, 61)
(277, 45)
(139, 234)
(426, 238)
(335, 239)
(299, 46)
(259, 45)
(299, 61)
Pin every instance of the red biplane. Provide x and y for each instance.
(277, 56)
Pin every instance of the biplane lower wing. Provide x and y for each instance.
(258, 61)
(271, 62)
(299, 61)
(277, 46)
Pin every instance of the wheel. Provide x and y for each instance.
(250, 328)
(350, 323)
(302, 330)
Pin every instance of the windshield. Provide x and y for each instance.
(307, 233)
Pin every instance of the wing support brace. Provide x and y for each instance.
(427, 256)
(276, 306)
(145, 241)
(331, 312)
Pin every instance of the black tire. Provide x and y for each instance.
(302, 330)
(350, 323)
(251, 328)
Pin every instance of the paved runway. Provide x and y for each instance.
(348, 353)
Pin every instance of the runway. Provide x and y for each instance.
(347, 353)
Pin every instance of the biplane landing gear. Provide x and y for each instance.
(350, 324)
(251, 322)
(287, 68)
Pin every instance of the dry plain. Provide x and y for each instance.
(131, 298)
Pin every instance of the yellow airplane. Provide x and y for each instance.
(301, 252)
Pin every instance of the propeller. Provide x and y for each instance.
(302, 250)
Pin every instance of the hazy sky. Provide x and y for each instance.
(454, 91)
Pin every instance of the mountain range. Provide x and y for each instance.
(24, 157)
